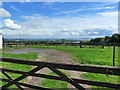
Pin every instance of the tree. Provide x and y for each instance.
(107, 39)
(115, 38)
(63, 41)
(97, 40)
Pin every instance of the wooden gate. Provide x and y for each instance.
(54, 67)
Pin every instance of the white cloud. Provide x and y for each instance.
(68, 26)
(4, 13)
(74, 33)
(36, 34)
(65, 27)
(109, 7)
(0, 3)
(108, 13)
(10, 24)
(34, 17)
(95, 32)
(48, 3)
(25, 0)
(67, 12)
(86, 8)
(100, 8)
(16, 9)
(115, 32)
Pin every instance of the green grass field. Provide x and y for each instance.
(10, 48)
(29, 56)
(92, 56)
(58, 85)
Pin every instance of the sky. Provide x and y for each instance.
(68, 20)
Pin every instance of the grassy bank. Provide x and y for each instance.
(92, 56)
(29, 56)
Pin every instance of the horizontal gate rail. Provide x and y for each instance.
(11, 79)
(81, 67)
(62, 77)
(82, 81)
(26, 85)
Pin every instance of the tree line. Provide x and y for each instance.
(107, 39)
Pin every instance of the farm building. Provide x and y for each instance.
(0, 41)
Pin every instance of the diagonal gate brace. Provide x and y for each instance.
(22, 77)
(63, 76)
(11, 80)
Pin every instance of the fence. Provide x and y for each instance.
(81, 44)
(54, 67)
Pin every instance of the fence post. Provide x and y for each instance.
(109, 45)
(75, 45)
(65, 45)
(32, 44)
(48, 44)
(40, 44)
(80, 44)
(16, 45)
(25, 44)
(114, 55)
(56, 45)
(3, 45)
(103, 45)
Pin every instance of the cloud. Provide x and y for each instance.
(95, 32)
(109, 7)
(10, 24)
(48, 3)
(38, 26)
(25, 0)
(0, 3)
(98, 31)
(16, 9)
(71, 11)
(68, 27)
(62, 26)
(108, 13)
(34, 17)
(94, 7)
(102, 8)
(4, 13)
